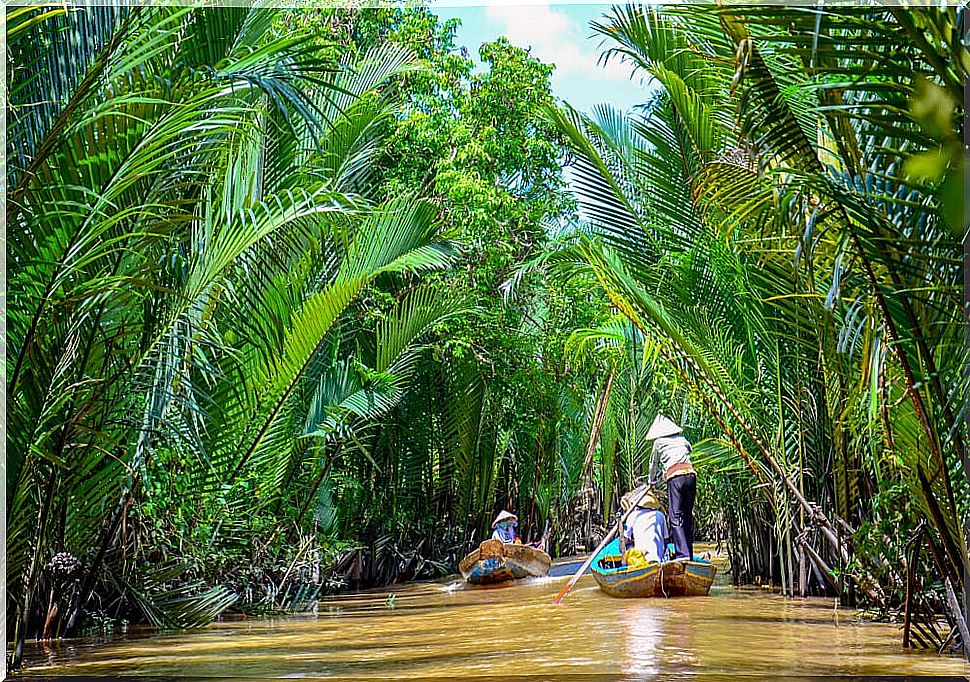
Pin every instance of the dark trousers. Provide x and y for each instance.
(680, 491)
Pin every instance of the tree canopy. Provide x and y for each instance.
(299, 299)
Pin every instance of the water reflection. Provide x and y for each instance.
(643, 628)
(450, 630)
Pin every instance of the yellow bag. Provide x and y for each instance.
(634, 558)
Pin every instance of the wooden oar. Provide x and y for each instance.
(609, 537)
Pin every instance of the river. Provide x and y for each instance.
(448, 629)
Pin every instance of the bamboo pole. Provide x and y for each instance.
(961, 622)
(572, 581)
(908, 604)
(596, 429)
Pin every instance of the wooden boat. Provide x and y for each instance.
(668, 579)
(496, 562)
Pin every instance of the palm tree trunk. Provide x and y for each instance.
(33, 575)
(599, 416)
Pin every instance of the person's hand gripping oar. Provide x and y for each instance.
(609, 537)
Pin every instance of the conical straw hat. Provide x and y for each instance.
(504, 516)
(662, 427)
(648, 501)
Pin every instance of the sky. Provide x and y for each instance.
(558, 33)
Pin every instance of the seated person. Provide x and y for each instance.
(646, 527)
(504, 528)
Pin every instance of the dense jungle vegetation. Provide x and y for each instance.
(299, 299)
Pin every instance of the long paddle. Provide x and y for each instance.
(606, 541)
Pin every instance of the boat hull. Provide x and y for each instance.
(668, 579)
(495, 562)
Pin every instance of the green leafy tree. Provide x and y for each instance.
(769, 222)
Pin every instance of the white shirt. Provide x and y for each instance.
(504, 533)
(668, 451)
(648, 530)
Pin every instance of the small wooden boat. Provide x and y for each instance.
(680, 578)
(496, 562)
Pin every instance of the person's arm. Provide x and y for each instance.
(654, 465)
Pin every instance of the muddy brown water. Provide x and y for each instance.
(448, 629)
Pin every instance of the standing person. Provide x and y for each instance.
(505, 528)
(671, 461)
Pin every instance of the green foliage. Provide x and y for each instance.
(299, 298)
(192, 246)
(244, 364)
(781, 226)
(479, 143)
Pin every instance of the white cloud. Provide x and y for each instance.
(557, 38)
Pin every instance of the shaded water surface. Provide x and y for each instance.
(448, 629)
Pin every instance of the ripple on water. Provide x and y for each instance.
(449, 629)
